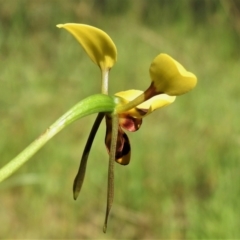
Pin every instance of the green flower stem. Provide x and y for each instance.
(110, 189)
(93, 104)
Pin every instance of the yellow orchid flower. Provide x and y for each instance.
(169, 79)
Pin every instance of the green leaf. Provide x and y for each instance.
(93, 104)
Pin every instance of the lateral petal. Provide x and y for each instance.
(146, 107)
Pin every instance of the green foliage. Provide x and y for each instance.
(111, 7)
(183, 180)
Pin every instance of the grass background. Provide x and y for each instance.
(183, 178)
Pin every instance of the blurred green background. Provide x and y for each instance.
(183, 180)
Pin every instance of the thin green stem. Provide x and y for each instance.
(78, 181)
(110, 192)
(105, 74)
(93, 104)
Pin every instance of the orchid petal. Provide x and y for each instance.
(97, 44)
(132, 124)
(170, 77)
(146, 107)
(156, 102)
(129, 95)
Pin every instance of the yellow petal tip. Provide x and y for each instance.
(59, 25)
